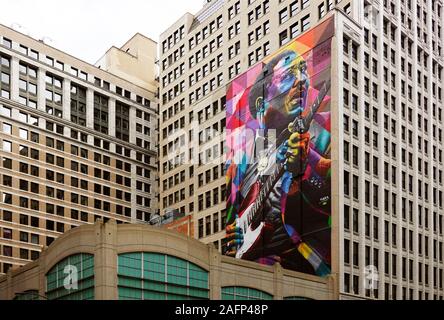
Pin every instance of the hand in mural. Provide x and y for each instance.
(234, 238)
(295, 152)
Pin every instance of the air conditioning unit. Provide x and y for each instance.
(155, 220)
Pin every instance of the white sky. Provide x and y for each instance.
(86, 29)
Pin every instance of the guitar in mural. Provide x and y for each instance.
(250, 220)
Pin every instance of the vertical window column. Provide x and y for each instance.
(5, 77)
(101, 113)
(78, 104)
(112, 117)
(54, 95)
(66, 101)
(14, 82)
(122, 122)
(90, 108)
(28, 85)
(132, 128)
(41, 88)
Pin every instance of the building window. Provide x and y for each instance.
(27, 295)
(101, 113)
(28, 85)
(122, 121)
(54, 95)
(305, 22)
(283, 39)
(84, 265)
(153, 276)
(244, 293)
(5, 80)
(283, 16)
(7, 146)
(7, 43)
(321, 10)
(78, 105)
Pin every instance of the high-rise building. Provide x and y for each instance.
(386, 102)
(77, 142)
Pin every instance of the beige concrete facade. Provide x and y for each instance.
(135, 62)
(107, 240)
(77, 143)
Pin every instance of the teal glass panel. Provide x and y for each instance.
(244, 293)
(55, 278)
(154, 276)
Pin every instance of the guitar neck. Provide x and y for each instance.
(266, 189)
(315, 107)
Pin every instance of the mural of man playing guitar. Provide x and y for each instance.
(283, 202)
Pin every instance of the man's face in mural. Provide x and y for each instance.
(287, 88)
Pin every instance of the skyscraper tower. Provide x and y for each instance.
(386, 129)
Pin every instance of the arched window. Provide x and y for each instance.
(71, 279)
(28, 295)
(244, 293)
(153, 276)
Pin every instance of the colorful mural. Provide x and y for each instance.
(279, 161)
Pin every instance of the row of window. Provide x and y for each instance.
(206, 32)
(206, 88)
(390, 235)
(33, 187)
(173, 39)
(54, 100)
(421, 81)
(390, 265)
(5, 79)
(352, 285)
(212, 198)
(437, 174)
(58, 210)
(211, 224)
(73, 71)
(60, 145)
(422, 191)
(24, 254)
(83, 137)
(407, 45)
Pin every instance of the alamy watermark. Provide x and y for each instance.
(210, 146)
(371, 278)
(71, 281)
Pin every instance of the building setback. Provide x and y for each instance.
(386, 104)
(140, 262)
(77, 142)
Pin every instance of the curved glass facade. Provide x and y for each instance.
(153, 276)
(71, 279)
(244, 293)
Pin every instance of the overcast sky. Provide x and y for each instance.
(86, 29)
